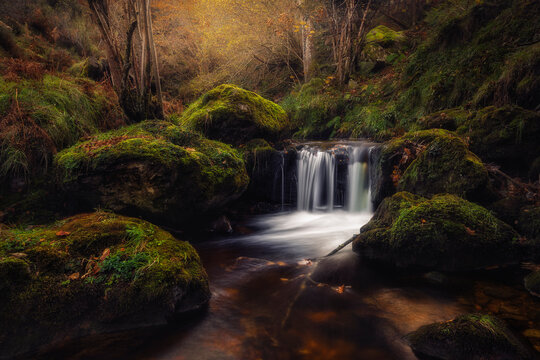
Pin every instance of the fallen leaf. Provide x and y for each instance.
(74, 276)
(105, 253)
(62, 233)
(470, 231)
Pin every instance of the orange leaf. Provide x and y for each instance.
(74, 276)
(62, 233)
(105, 253)
(470, 231)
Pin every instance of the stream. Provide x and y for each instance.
(270, 302)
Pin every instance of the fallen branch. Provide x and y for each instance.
(528, 187)
(303, 285)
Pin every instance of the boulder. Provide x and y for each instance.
(383, 45)
(468, 337)
(93, 273)
(233, 115)
(153, 169)
(443, 233)
(426, 163)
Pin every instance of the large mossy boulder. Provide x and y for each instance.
(233, 115)
(468, 337)
(153, 169)
(93, 273)
(507, 136)
(426, 163)
(443, 233)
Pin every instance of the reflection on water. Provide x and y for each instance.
(269, 304)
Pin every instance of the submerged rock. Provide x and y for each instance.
(426, 163)
(233, 115)
(92, 273)
(468, 337)
(153, 169)
(443, 233)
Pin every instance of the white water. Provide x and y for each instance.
(320, 224)
(316, 179)
(300, 235)
(358, 189)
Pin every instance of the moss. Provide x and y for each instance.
(507, 136)
(161, 172)
(310, 108)
(383, 45)
(49, 114)
(234, 115)
(445, 166)
(446, 233)
(448, 119)
(470, 336)
(470, 50)
(384, 36)
(429, 162)
(91, 269)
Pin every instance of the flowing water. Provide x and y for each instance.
(271, 302)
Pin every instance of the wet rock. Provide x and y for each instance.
(154, 170)
(233, 115)
(90, 274)
(468, 337)
(426, 163)
(222, 225)
(442, 233)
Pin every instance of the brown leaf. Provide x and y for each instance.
(470, 231)
(74, 276)
(105, 253)
(62, 233)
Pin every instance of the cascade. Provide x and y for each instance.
(333, 177)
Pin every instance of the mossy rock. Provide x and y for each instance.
(507, 136)
(428, 162)
(235, 116)
(153, 169)
(442, 233)
(383, 44)
(532, 283)
(263, 164)
(468, 337)
(93, 273)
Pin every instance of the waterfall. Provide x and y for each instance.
(316, 179)
(334, 177)
(358, 189)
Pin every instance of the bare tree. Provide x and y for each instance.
(126, 29)
(348, 22)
